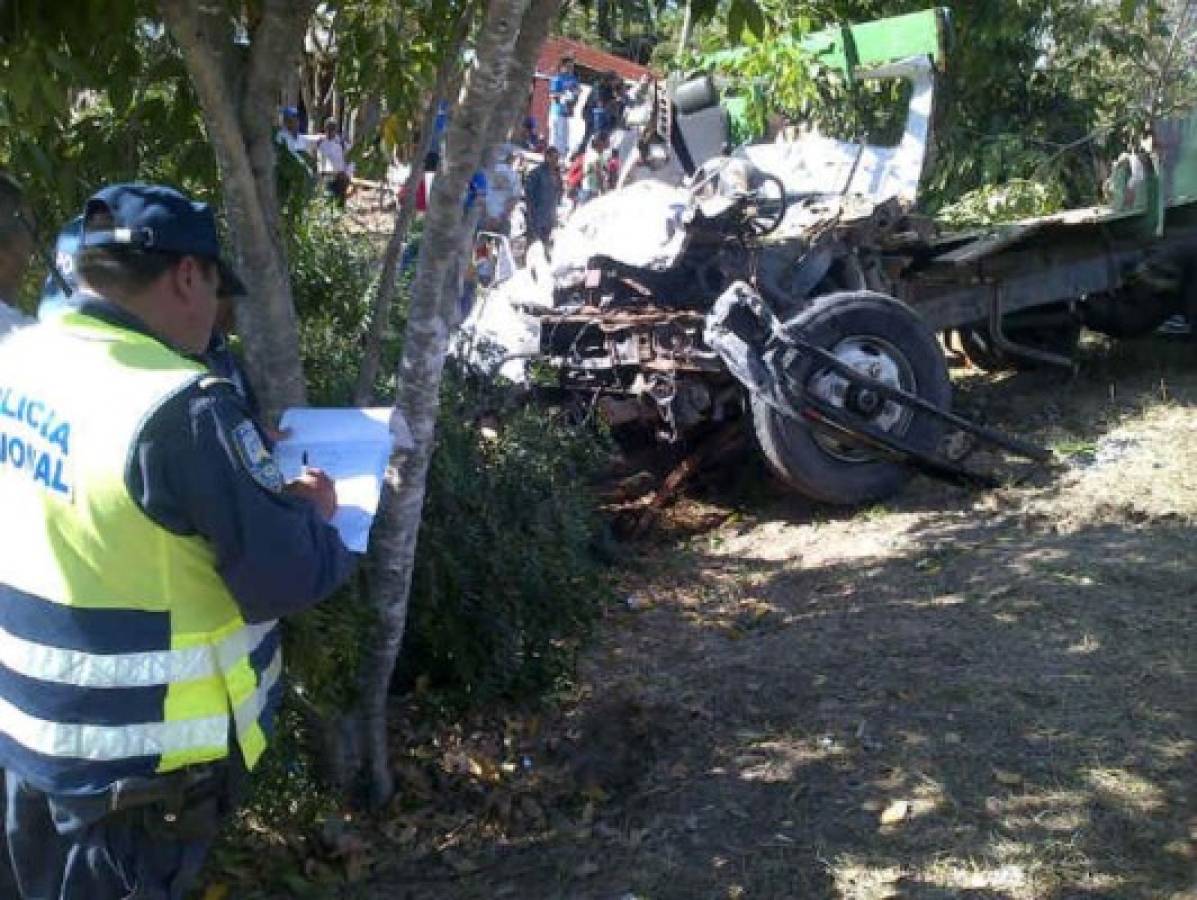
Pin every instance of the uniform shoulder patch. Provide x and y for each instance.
(256, 458)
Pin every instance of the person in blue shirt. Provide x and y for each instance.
(564, 89)
(531, 138)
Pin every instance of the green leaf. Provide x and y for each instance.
(754, 17)
(735, 20)
(703, 10)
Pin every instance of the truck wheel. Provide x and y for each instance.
(1131, 312)
(885, 339)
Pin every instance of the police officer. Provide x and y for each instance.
(149, 545)
(58, 291)
(59, 296)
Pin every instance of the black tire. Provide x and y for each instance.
(800, 456)
(1132, 312)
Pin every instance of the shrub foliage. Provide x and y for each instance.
(506, 575)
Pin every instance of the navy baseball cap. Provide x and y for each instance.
(160, 219)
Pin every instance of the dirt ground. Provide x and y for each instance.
(956, 695)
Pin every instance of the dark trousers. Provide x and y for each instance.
(76, 848)
(338, 186)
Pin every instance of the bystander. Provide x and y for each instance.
(543, 192)
(17, 243)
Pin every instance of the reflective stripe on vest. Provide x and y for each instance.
(112, 670)
(120, 644)
(112, 742)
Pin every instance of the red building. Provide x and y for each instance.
(589, 64)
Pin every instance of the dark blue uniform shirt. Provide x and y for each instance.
(274, 551)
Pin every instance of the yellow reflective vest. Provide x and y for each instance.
(122, 651)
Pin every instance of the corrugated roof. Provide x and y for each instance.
(589, 58)
(586, 57)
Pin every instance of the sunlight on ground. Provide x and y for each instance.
(1140, 467)
(1052, 811)
(858, 881)
(1133, 793)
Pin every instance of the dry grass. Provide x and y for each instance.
(956, 696)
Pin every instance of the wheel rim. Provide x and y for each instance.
(880, 360)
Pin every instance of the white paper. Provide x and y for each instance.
(352, 446)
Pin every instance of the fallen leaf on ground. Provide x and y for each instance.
(896, 812)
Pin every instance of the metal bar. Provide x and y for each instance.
(990, 435)
(1003, 343)
(828, 419)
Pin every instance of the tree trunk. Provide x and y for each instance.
(512, 107)
(687, 28)
(384, 293)
(237, 95)
(603, 20)
(427, 340)
(446, 84)
(363, 123)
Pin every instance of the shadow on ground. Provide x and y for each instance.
(940, 700)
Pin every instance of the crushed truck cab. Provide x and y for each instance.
(796, 285)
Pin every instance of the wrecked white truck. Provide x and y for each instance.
(794, 283)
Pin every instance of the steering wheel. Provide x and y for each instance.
(766, 207)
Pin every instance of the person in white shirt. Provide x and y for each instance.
(331, 152)
(289, 136)
(594, 168)
(503, 190)
(294, 162)
(17, 243)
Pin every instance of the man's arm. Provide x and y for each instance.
(200, 467)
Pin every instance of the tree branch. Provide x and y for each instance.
(447, 77)
(538, 20)
(203, 32)
(393, 549)
(276, 48)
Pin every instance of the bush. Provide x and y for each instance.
(506, 578)
(333, 276)
(1008, 202)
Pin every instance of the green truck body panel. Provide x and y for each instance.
(885, 40)
(868, 44)
(1175, 144)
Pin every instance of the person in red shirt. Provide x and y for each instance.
(431, 162)
(573, 174)
(613, 166)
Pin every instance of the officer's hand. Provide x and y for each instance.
(318, 489)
